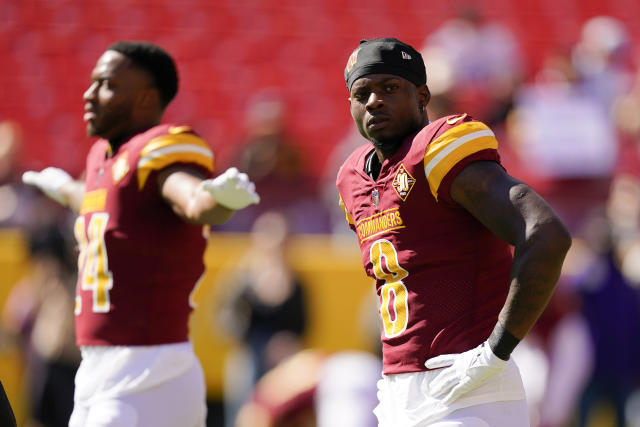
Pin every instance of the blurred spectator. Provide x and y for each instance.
(39, 315)
(284, 397)
(561, 130)
(312, 388)
(278, 168)
(20, 206)
(563, 344)
(266, 309)
(624, 200)
(347, 393)
(611, 306)
(603, 59)
(565, 144)
(475, 67)
(595, 310)
(623, 204)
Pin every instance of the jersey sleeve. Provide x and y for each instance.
(346, 212)
(454, 149)
(179, 145)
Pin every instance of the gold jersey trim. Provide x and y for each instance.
(174, 148)
(451, 147)
(94, 201)
(344, 209)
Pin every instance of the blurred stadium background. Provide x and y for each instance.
(275, 67)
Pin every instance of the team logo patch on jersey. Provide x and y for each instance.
(120, 167)
(403, 182)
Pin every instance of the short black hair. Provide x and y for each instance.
(154, 60)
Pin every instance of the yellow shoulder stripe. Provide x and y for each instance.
(451, 147)
(173, 139)
(175, 148)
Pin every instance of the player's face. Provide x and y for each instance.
(111, 99)
(386, 108)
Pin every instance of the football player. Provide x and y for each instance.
(146, 189)
(435, 216)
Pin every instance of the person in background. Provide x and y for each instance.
(274, 160)
(436, 216)
(266, 309)
(476, 65)
(610, 300)
(314, 388)
(146, 192)
(20, 206)
(39, 317)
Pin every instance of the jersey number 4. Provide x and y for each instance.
(93, 266)
(394, 306)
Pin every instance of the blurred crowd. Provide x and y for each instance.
(570, 128)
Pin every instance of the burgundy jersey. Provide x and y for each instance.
(441, 276)
(138, 260)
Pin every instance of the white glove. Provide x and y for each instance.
(232, 189)
(49, 180)
(465, 372)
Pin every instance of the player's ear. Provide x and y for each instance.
(149, 98)
(424, 96)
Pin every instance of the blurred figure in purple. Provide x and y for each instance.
(611, 307)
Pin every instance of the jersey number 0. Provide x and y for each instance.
(394, 306)
(93, 266)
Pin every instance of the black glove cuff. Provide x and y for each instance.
(502, 342)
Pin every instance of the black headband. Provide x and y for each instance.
(385, 56)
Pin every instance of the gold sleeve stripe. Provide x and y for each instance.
(344, 209)
(173, 139)
(174, 151)
(164, 157)
(93, 201)
(451, 147)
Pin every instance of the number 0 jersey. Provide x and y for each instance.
(441, 276)
(138, 260)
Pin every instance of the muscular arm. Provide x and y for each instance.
(518, 215)
(181, 188)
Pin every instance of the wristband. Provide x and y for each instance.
(502, 342)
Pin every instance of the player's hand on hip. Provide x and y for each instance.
(232, 189)
(49, 181)
(463, 372)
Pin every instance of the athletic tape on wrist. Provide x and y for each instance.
(502, 342)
